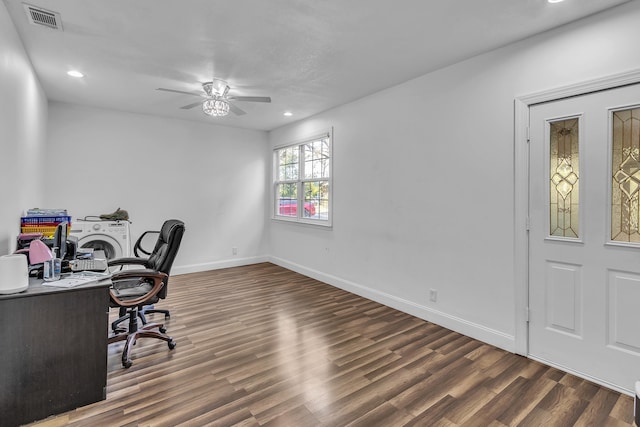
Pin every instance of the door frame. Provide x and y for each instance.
(522, 105)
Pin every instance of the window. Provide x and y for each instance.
(625, 184)
(564, 178)
(302, 181)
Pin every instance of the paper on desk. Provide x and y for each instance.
(77, 279)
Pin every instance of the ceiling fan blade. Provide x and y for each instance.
(237, 111)
(250, 98)
(190, 106)
(179, 91)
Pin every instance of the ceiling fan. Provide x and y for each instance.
(216, 101)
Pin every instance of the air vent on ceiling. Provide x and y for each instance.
(40, 16)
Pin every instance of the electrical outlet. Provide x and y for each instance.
(433, 295)
(234, 251)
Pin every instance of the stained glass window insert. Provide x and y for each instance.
(625, 182)
(564, 178)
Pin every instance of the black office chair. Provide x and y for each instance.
(159, 259)
(136, 289)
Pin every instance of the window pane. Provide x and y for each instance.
(625, 209)
(564, 178)
(316, 159)
(288, 164)
(316, 199)
(287, 200)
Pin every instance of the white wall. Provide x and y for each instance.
(23, 118)
(211, 177)
(424, 178)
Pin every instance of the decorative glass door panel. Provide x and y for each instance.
(564, 171)
(625, 183)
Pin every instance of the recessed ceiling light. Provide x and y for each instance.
(288, 113)
(555, 1)
(75, 73)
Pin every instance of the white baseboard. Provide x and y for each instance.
(216, 265)
(457, 324)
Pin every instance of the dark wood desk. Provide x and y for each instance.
(53, 350)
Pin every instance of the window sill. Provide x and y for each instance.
(302, 221)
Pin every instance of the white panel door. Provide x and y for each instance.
(584, 288)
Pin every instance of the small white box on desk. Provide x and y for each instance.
(14, 273)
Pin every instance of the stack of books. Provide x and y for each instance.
(44, 221)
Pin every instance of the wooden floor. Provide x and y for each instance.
(263, 346)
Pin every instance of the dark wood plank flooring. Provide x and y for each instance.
(263, 346)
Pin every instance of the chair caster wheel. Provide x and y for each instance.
(127, 363)
(167, 316)
(163, 330)
(171, 344)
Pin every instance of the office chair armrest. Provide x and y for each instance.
(142, 275)
(127, 260)
(138, 245)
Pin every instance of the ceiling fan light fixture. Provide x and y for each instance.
(217, 101)
(215, 107)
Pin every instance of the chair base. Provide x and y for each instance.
(132, 335)
(141, 314)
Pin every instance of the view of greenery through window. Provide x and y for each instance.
(302, 180)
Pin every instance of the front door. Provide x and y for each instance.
(584, 238)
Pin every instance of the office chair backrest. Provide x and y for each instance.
(166, 248)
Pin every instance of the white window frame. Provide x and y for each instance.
(300, 181)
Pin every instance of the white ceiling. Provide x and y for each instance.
(308, 56)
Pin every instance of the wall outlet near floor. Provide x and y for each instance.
(234, 251)
(433, 295)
